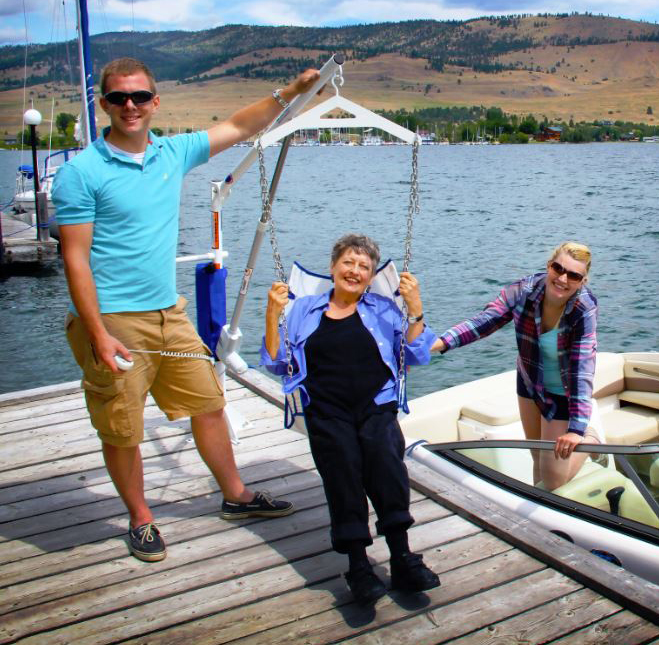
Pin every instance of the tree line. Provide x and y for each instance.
(457, 124)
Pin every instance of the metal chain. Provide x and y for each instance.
(412, 211)
(266, 216)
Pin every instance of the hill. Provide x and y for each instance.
(582, 67)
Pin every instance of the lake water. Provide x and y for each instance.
(489, 215)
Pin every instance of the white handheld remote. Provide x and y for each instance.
(122, 363)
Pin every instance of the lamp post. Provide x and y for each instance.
(32, 118)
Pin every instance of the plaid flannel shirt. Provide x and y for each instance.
(577, 343)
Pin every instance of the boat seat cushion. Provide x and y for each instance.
(497, 409)
(647, 399)
(630, 425)
(591, 485)
(609, 374)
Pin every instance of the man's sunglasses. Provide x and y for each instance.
(121, 98)
(557, 267)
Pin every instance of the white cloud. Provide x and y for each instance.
(163, 14)
(9, 36)
(277, 13)
(395, 10)
(14, 8)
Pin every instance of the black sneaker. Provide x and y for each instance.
(146, 543)
(408, 573)
(366, 587)
(261, 506)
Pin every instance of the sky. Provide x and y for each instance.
(46, 21)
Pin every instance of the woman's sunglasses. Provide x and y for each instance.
(121, 98)
(573, 276)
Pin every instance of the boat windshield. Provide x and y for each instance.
(617, 484)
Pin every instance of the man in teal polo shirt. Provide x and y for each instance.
(117, 210)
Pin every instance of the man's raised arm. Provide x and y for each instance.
(249, 120)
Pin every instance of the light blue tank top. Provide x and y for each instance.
(551, 373)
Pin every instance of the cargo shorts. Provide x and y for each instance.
(181, 387)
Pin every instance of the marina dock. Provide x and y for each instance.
(66, 575)
(20, 246)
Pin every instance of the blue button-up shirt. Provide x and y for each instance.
(382, 319)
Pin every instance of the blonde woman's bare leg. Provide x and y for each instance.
(556, 472)
(529, 414)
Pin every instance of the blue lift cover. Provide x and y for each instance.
(210, 287)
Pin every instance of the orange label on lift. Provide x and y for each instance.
(216, 230)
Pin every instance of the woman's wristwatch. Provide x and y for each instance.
(415, 319)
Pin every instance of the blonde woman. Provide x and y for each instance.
(555, 317)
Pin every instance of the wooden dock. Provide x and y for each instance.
(20, 246)
(66, 575)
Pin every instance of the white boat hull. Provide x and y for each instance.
(635, 555)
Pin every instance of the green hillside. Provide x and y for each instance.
(181, 56)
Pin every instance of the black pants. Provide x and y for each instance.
(358, 458)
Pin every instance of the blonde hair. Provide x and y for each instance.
(126, 67)
(575, 250)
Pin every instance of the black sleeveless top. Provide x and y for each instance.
(345, 370)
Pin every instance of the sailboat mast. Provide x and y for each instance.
(86, 81)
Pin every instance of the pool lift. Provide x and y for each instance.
(226, 338)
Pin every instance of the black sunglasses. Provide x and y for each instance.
(121, 98)
(557, 267)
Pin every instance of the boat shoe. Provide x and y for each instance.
(146, 543)
(263, 505)
(408, 573)
(366, 587)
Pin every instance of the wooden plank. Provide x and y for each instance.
(84, 442)
(59, 389)
(16, 410)
(168, 467)
(20, 246)
(351, 620)
(545, 623)
(76, 523)
(34, 498)
(25, 451)
(199, 519)
(264, 386)
(49, 413)
(624, 628)
(263, 615)
(34, 394)
(443, 623)
(206, 588)
(10, 494)
(311, 515)
(67, 463)
(623, 587)
(107, 540)
(48, 504)
(45, 407)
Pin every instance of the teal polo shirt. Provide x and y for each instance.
(135, 212)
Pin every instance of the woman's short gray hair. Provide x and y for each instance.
(359, 244)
